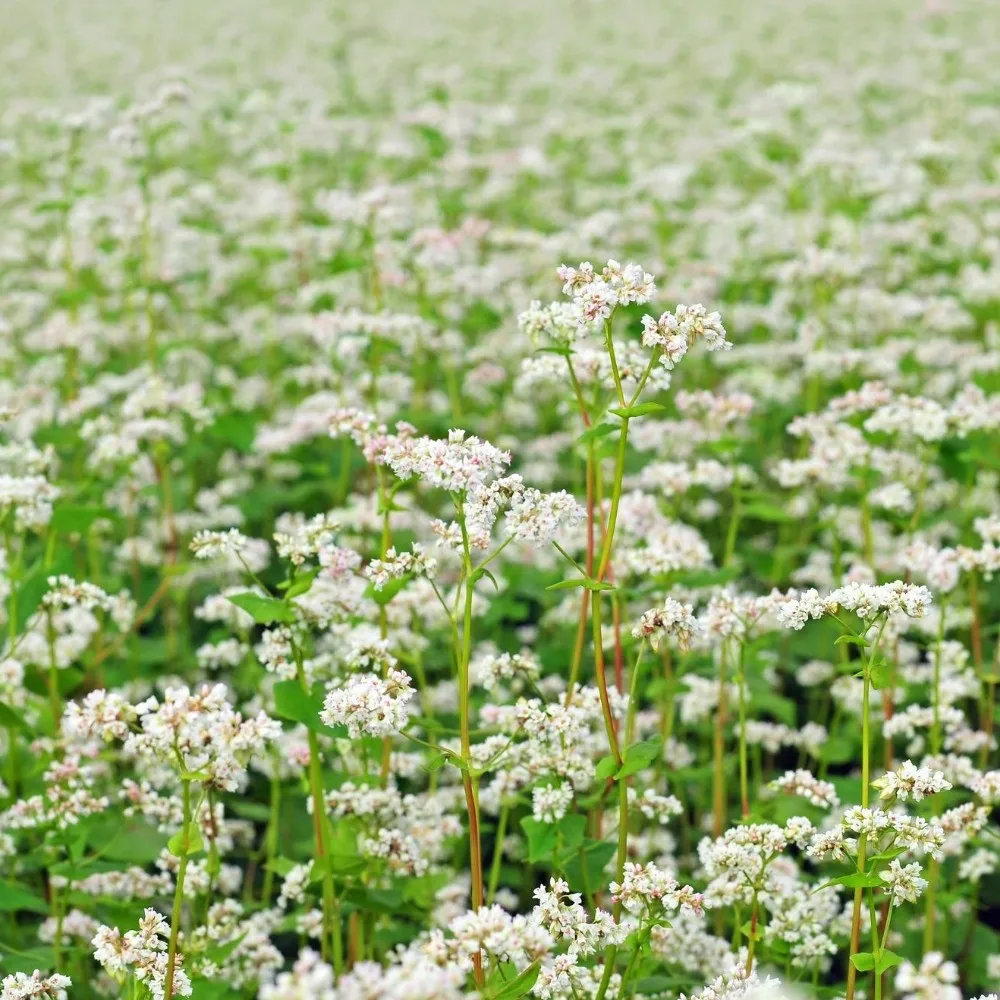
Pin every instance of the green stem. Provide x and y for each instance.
(471, 790)
(331, 923)
(744, 781)
(175, 918)
(602, 680)
(753, 933)
(271, 843)
(863, 839)
(610, 344)
(501, 832)
(934, 868)
(616, 496)
(719, 748)
(55, 702)
(734, 526)
(633, 958)
(609, 967)
(935, 734)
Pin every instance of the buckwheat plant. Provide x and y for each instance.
(484, 519)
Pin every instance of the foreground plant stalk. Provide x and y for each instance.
(865, 799)
(175, 916)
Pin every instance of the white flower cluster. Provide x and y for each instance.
(310, 978)
(395, 565)
(676, 332)
(536, 517)
(867, 601)
(302, 539)
(202, 730)
(493, 669)
(208, 544)
(21, 986)
(559, 323)
(910, 781)
(457, 464)
(29, 497)
(808, 786)
(645, 887)
(595, 296)
(68, 798)
(367, 703)
(904, 882)
(64, 592)
(142, 953)
(675, 620)
(550, 802)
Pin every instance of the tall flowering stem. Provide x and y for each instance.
(599, 665)
(330, 939)
(719, 747)
(934, 867)
(385, 540)
(175, 916)
(581, 631)
(469, 782)
(865, 797)
(744, 782)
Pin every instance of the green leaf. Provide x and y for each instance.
(703, 577)
(389, 590)
(863, 961)
(35, 583)
(783, 709)
(28, 961)
(220, 952)
(856, 880)
(139, 844)
(651, 985)
(760, 511)
(583, 581)
(388, 901)
(336, 864)
(751, 932)
(249, 809)
(639, 756)
(422, 891)
(76, 872)
(70, 517)
(280, 866)
(837, 750)
(519, 986)
(541, 839)
(570, 830)
(595, 855)
(886, 960)
(10, 719)
(880, 673)
(854, 640)
(888, 855)
(640, 410)
(597, 432)
(14, 897)
(264, 610)
(212, 989)
(236, 429)
(194, 843)
(606, 768)
(301, 583)
(291, 702)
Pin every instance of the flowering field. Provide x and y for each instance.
(499, 500)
